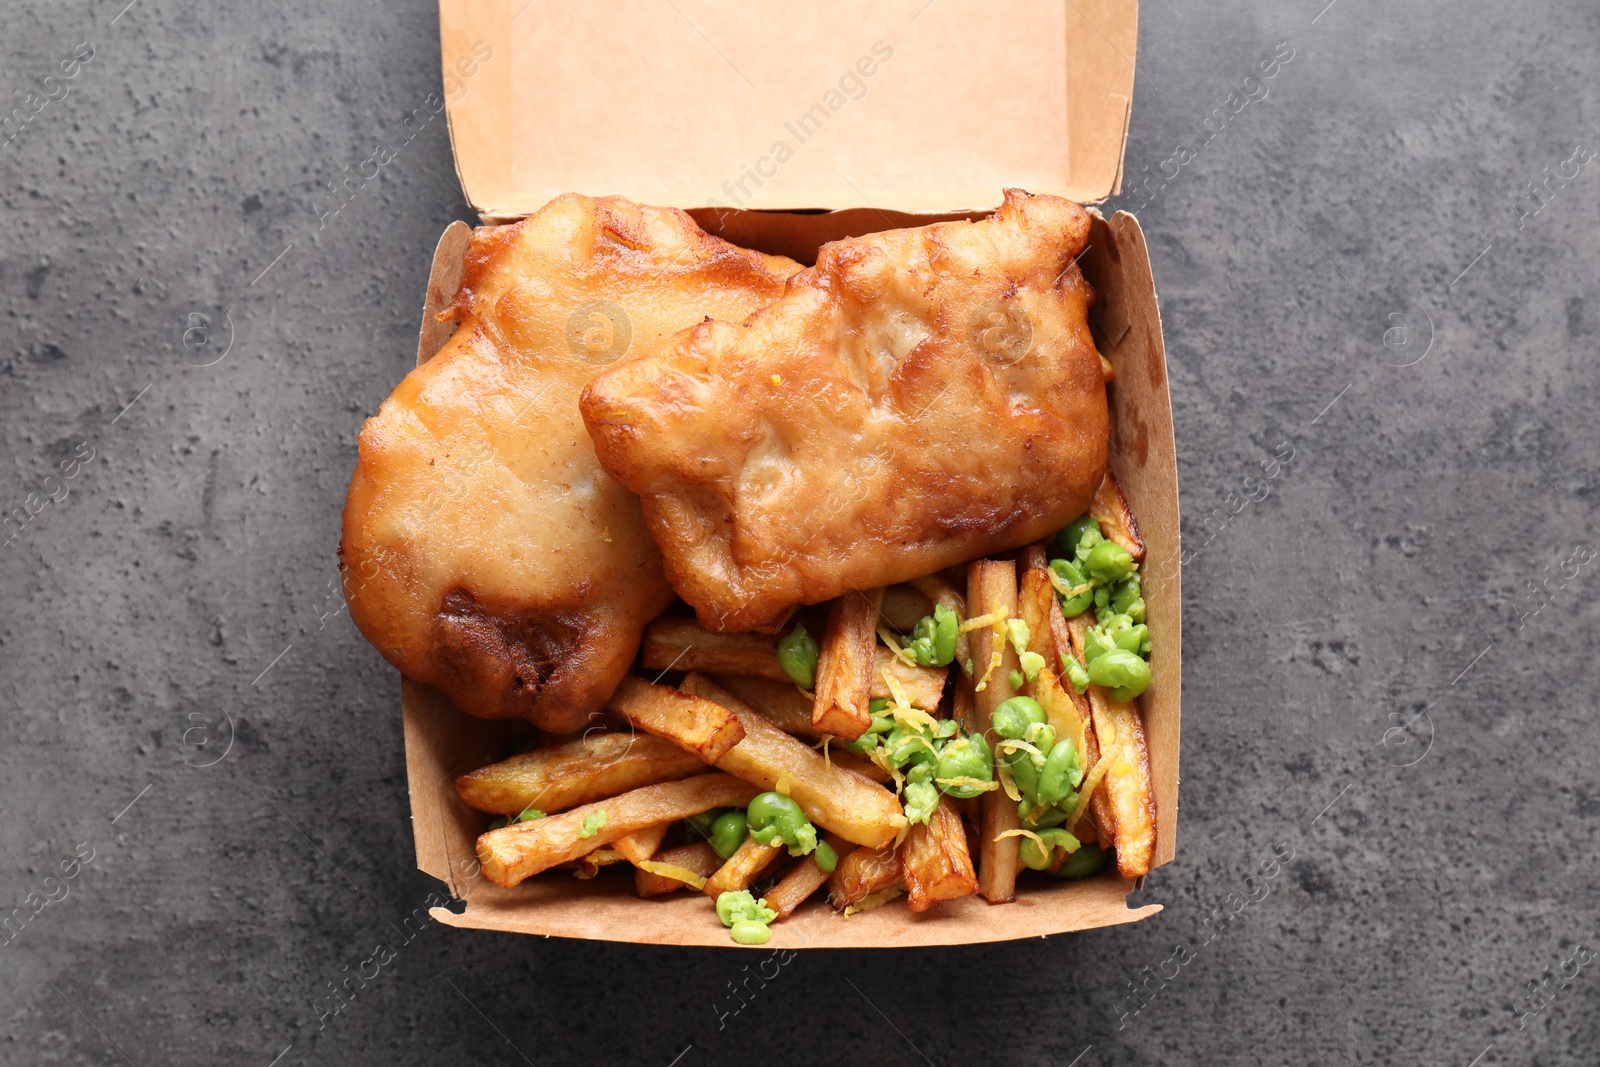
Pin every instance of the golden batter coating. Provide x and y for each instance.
(485, 551)
(918, 399)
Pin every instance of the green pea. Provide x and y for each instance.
(878, 706)
(933, 641)
(700, 825)
(827, 859)
(1037, 856)
(968, 756)
(919, 799)
(1017, 679)
(1061, 771)
(1075, 673)
(728, 832)
(1084, 533)
(1134, 638)
(750, 932)
(1125, 594)
(1071, 575)
(905, 746)
(873, 734)
(1097, 643)
(773, 815)
(1040, 818)
(1081, 864)
(1109, 562)
(1013, 717)
(862, 745)
(1025, 774)
(529, 813)
(1124, 673)
(797, 655)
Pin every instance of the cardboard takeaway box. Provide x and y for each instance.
(781, 127)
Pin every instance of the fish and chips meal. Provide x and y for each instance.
(794, 578)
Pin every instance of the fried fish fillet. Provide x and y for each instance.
(485, 551)
(917, 399)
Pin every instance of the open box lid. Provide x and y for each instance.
(925, 106)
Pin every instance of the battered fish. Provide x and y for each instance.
(485, 552)
(917, 399)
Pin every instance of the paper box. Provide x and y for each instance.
(781, 127)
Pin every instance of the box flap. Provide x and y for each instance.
(911, 105)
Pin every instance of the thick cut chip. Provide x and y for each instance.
(684, 645)
(802, 879)
(743, 867)
(1125, 751)
(917, 399)
(485, 552)
(706, 729)
(585, 769)
(844, 666)
(992, 593)
(832, 797)
(935, 860)
(861, 874)
(1110, 509)
(695, 862)
(523, 849)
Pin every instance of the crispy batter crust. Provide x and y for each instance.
(919, 398)
(485, 552)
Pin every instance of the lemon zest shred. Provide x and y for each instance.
(967, 782)
(1086, 791)
(1008, 783)
(671, 870)
(896, 691)
(1065, 591)
(887, 637)
(1019, 832)
(978, 622)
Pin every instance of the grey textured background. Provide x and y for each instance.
(1389, 658)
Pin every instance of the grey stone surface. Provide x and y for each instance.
(1389, 643)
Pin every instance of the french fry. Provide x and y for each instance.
(1119, 728)
(802, 879)
(835, 799)
(992, 590)
(780, 703)
(849, 761)
(512, 853)
(698, 859)
(708, 730)
(743, 867)
(1062, 713)
(935, 861)
(939, 590)
(844, 665)
(903, 607)
(1069, 712)
(1110, 509)
(575, 772)
(684, 645)
(641, 844)
(861, 874)
(783, 705)
(923, 686)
